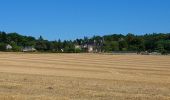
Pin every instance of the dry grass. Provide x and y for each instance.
(84, 77)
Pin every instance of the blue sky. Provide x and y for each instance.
(70, 19)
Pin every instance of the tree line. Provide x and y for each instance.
(155, 42)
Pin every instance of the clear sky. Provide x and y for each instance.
(70, 19)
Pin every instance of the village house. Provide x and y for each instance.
(93, 48)
(90, 48)
(8, 47)
(29, 49)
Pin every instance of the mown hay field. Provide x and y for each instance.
(84, 77)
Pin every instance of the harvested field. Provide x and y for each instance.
(84, 77)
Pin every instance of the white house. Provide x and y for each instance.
(8, 47)
(90, 48)
(29, 49)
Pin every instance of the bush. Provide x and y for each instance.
(78, 50)
(16, 48)
(164, 52)
(2, 47)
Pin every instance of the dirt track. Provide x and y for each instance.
(84, 77)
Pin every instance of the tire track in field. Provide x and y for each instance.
(85, 66)
(127, 63)
(94, 65)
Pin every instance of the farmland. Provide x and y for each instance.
(84, 77)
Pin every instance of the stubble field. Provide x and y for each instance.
(84, 77)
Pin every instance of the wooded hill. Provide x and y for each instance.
(155, 42)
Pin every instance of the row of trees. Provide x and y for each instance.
(155, 42)
(18, 42)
